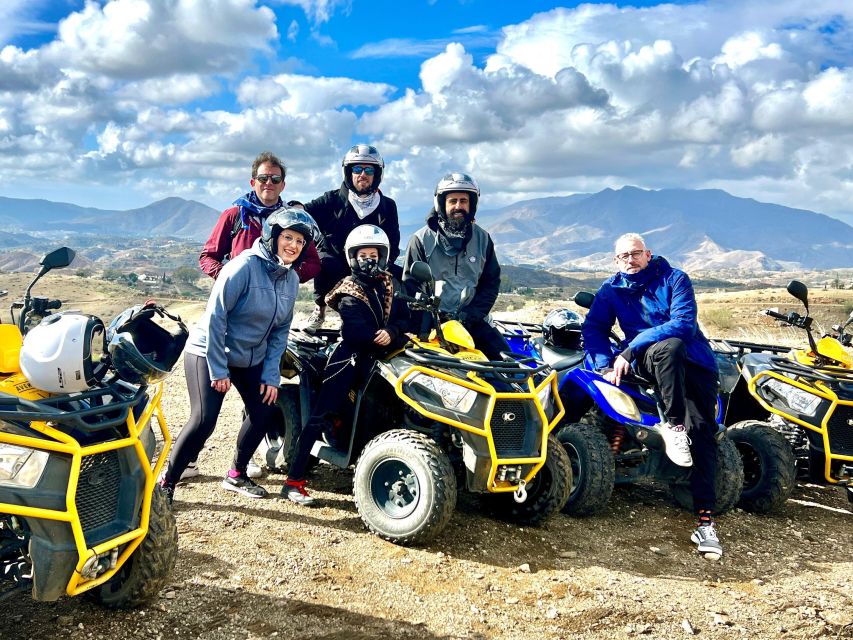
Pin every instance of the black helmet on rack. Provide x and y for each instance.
(295, 219)
(142, 351)
(562, 328)
(363, 154)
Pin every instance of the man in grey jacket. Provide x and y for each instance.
(461, 255)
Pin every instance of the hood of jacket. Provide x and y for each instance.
(658, 267)
(275, 268)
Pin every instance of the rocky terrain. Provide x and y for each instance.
(252, 569)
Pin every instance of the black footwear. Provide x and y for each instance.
(245, 486)
(168, 489)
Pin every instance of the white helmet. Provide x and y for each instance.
(367, 235)
(62, 354)
(363, 154)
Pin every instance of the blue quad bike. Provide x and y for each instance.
(612, 434)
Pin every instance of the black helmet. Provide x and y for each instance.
(362, 154)
(562, 328)
(456, 182)
(278, 221)
(141, 351)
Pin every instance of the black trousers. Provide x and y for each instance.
(689, 394)
(205, 405)
(332, 269)
(344, 367)
(487, 339)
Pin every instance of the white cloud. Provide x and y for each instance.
(753, 97)
(293, 31)
(319, 11)
(134, 39)
(306, 94)
(177, 89)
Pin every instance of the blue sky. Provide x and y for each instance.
(119, 103)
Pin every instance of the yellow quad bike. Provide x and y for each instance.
(809, 394)
(429, 420)
(79, 510)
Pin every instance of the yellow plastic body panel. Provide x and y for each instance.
(60, 442)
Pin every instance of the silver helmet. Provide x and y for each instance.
(362, 154)
(456, 182)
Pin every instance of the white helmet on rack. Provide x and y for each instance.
(63, 353)
(367, 235)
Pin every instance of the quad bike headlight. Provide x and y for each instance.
(799, 400)
(21, 466)
(621, 402)
(453, 396)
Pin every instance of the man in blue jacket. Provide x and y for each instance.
(656, 309)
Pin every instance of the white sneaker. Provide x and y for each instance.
(677, 444)
(191, 471)
(316, 319)
(705, 537)
(253, 469)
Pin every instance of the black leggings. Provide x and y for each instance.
(344, 368)
(205, 405)
(689, 394)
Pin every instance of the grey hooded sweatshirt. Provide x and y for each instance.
(248, 316)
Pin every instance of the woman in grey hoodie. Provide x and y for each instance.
(239, 340)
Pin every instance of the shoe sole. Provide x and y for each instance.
(242, 492)
(716, 551)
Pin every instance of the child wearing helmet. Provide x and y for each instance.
(239, 340)
(372, 323)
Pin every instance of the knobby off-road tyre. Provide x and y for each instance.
(148, 569)
(277, 454)
(404, 487)
(593, 468)
(729, 481)
(547, 493)
(769, 466)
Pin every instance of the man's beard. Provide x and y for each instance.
(454, 226)
(366, 191)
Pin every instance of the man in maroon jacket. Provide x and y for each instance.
(237, 229)
(240, 225)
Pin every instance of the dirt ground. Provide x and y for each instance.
(251, 569)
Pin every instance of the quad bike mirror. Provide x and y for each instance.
(421, 272)
(583, 299)
(800, 292)
(57, 258)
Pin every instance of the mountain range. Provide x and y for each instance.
(700, 230)
(704, 230)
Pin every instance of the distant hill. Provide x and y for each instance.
(170, 218)
(706, 230)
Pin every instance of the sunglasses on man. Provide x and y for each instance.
(368, 171)
(263, 177)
